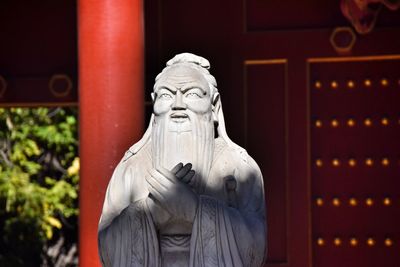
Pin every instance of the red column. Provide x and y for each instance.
(111, 102)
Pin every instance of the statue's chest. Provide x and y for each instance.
(222, 185)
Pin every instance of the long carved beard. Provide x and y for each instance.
(172, 143)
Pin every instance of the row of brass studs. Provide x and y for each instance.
(353, 202)
(353, 241)
(367, 122)
(351, 84)
(352, 162)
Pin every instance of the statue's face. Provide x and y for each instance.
(183, 126)
(180, 93)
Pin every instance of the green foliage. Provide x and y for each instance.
(39, 173)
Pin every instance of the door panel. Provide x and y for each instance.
(267, 143)
(355, 160)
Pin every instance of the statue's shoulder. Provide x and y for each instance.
(133, 157)
(233, 155)
(131, 166)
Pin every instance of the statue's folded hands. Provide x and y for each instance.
(164, 187)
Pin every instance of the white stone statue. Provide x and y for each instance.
(185, 194)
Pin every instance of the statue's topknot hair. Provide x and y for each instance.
(193, 61)
(189, 58)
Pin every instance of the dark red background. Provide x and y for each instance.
(266, 56)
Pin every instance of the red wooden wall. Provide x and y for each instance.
(38, 52)
(268, 57)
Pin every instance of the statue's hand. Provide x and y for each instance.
(172, 192)
(158, 213)
(183, 173)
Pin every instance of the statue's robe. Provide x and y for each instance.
(228, 229)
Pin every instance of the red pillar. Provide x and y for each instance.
(111, 102)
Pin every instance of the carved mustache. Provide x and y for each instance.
(178, 115)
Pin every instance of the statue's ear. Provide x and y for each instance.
(216, 105)
(153, 96)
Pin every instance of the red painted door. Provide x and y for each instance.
(301, 108)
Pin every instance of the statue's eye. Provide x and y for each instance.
(194, 93)
(165, 96)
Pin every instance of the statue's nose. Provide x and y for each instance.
(178, 103)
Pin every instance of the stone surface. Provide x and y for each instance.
(185, 194)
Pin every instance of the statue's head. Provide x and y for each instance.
(184, 90)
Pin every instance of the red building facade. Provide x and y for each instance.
(314, 102)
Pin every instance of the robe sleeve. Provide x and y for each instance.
(127, 235)
(118, 194)
(231, 236)
(130, 240)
